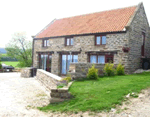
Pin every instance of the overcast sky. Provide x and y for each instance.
(32, 16)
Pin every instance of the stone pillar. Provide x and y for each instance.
(55, 63)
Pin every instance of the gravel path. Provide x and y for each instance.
(21, 96)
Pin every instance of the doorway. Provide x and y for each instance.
(45, 61)
(66, 60)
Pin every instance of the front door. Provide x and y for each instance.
(66, 60)
(45, 62)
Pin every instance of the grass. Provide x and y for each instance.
(3, 55)
(12, 63)
(102, 94)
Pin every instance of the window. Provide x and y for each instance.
(69, 41)
(100, 40)
(101, 59)
(45, 43)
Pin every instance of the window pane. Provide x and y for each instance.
(109, 59)
(75, 58)
(101, 59)
(45, 42)
(103, 39)
(68, 41)
(72, 41)
(98, 40)
(68, 61)
(92, 59)
(63, 64)
(48, 43)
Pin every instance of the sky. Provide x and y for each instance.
(31, 16)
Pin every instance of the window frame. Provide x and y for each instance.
(100, 40)
(66, 41)
(106, 56)
(47, 43)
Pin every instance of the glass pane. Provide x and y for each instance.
(92, 59)
(44, 62)
(63, 64)
(68, 41)
(98, 40)
(69, 60)
(48, 43)
(49, 63)
(75, 58)
(103, 39)
(45, 42)
(101, 59)
(72, 41)
(41, 62)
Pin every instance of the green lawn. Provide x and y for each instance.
(3, 55)
(102, 94)
(12, 63)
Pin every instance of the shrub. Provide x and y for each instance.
(92, 73)
(109, 69)
(120, 69)
(68, 78)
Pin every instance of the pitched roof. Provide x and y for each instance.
(106, 21)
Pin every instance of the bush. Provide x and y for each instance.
(92, 73)
(68, 78)
(120, 69)
(109, 69)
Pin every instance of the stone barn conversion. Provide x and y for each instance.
(120, 35)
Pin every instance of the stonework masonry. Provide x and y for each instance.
(26, 72)
(80, 70)
(47, 79)
(131, 38)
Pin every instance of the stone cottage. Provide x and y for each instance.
(120, 35)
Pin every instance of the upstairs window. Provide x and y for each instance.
(100, 40)
(69, 41)
(45, 43)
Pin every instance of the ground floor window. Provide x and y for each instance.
(101, 59)
(66, 60)
(45, 61)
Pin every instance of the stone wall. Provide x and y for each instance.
(135, 29)
(114, 42)
(48, 79)
(80, 70)
(62, 94)
(27, 72)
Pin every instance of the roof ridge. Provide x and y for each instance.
(98, 12)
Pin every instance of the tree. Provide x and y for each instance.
(21, 49)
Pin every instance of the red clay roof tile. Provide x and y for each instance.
(106, 21)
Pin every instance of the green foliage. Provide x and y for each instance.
(95, 96)
(92, 73)
(61, 85)
(21, 49)
(109, 69)
(120, 69)
(68, 78)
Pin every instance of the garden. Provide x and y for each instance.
(101, 93)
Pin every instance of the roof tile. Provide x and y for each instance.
(106, 21)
